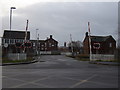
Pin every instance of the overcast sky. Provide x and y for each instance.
(61, 19)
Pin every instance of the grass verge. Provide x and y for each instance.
(16, 61)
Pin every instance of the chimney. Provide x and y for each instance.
(86, 34)
(50, 36)
(64, 44)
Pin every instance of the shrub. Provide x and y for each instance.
(83, 56)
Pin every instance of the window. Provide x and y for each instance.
(42, 48)
(45, 44)
(7, 41)
(33, 44)
(21, 40)
(49, 44)
(42, 45)
(17, 40)
(3, 41)
(110, 44)
(12, 41)
(52, 45)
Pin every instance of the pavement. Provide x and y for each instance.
(58, 71)
(105, 63)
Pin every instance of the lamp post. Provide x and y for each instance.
(10, 24)
(11, 16)
(37, 41)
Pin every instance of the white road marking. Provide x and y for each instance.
(30, 82)
(83, 81)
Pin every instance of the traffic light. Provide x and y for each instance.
(18, 45)
(27, 44)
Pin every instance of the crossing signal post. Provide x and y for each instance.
(23, 45)
(27, 45)
(18, 45)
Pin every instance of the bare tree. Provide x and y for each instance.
(76, 45)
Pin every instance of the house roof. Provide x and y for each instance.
(100, 38)
(16, 34)
(48, 39)
(38, 40)
(51, 39)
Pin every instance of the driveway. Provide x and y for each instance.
(59, 71)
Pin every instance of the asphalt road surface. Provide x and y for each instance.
(59, 71)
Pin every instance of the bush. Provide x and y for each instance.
(81, 56)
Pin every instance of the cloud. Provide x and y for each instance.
(65, 18)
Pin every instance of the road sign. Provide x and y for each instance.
(5, 45)
(96, 45)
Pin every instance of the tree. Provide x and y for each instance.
(77, 46)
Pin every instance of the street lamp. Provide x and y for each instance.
(11, 15)
(37, 41)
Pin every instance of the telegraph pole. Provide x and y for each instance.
(71, 45)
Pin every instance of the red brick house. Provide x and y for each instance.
(99, 44)
(49, 44)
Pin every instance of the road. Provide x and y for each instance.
(59, 71)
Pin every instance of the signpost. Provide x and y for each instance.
(6, 45)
